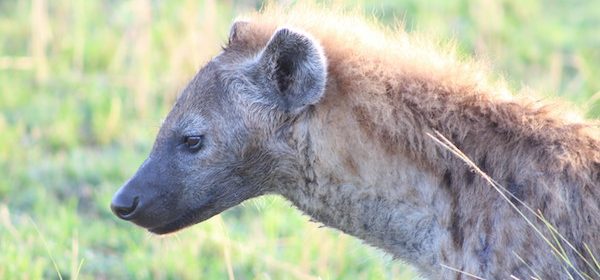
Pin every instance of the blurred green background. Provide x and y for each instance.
(84, 86)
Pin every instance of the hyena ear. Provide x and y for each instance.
(294, 69)
(235, 31)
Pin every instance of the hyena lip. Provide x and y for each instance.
(169, 228)
(190, 218)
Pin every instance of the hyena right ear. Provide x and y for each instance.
(293, 70)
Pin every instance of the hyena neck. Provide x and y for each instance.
(395, 188)
(352, 185)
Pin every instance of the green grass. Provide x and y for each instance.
(84, 86)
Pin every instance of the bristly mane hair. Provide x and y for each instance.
(374, 65)
(402, 86)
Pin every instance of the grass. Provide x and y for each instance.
(85, 84)
(553, 238)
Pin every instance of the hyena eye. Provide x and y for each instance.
(194, 142)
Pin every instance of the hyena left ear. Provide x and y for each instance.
(294, 69)
(235, 31)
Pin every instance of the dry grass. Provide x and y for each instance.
(554, 240)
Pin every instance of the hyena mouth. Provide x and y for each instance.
(168, 228)
(188, 219)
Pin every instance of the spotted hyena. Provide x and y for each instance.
(336, 116)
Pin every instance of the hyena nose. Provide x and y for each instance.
(124, 206)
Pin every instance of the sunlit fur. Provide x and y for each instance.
(372, 171)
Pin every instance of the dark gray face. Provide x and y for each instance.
(222, 142)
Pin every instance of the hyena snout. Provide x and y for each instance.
(141, 208)
(140, 200)
(124, 205)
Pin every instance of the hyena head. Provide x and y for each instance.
(225, 139)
